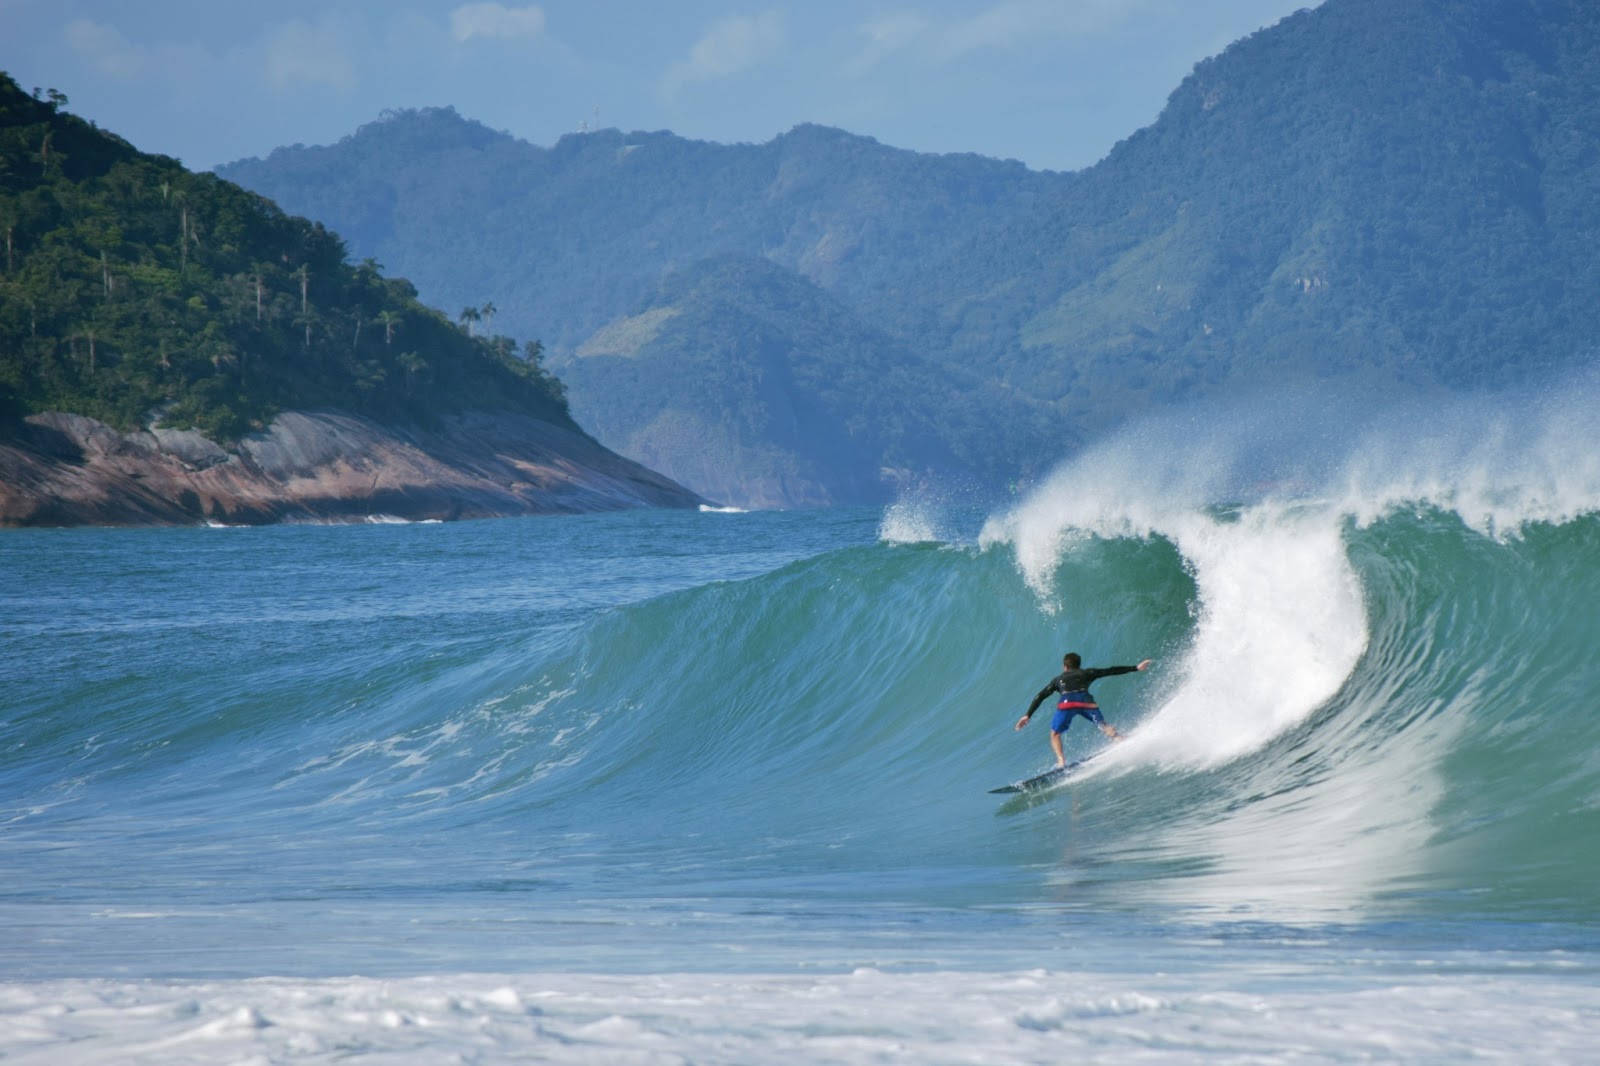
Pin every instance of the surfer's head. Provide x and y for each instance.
(1072, 660)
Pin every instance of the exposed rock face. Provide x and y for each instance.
(65, 470)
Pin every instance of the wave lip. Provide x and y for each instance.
(1279, 616)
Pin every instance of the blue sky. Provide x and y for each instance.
(1054, 83)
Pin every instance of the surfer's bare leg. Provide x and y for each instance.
(1110, 730)
(1055, 744)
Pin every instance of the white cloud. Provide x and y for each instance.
(1001, 25)
(291, 55)
(495, 20)
(299, 55)
(108, 51)
(730, 45)
(998, 26)
(885, 37)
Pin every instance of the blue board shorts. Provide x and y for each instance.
(1066, 709)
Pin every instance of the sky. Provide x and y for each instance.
(1053, 83)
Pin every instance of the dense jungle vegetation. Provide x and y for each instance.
(138, 293)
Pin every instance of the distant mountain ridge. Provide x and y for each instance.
(1375, 195)
(600, 228)
(613, 213)
(758, 386)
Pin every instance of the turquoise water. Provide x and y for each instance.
(622, 756)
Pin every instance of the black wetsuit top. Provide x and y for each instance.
(1076, 682)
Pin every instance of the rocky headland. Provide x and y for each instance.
(308, 466)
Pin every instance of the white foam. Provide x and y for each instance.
(1280, 617)
(1281, 626)
(1280, 621)
(1500, 463)
(866, 1016)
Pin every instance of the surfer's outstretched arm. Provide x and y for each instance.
(1106, 727)
(1034, 706)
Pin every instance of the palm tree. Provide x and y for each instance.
(11, 251)
(187, 234)
(391, 322)
(415, 367)
(259, 291)
(487, 311)
(469, 316)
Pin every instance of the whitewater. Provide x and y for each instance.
(712, 787)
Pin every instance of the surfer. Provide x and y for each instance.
(1072, 684)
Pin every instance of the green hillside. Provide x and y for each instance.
(762, 387)
(134, 291)
(1367, 191)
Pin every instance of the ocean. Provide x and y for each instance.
(713, 787)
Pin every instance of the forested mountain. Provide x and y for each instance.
(562, 238)
(580, 240)
(157, 325)
(1405, 192)
(1369, 193)
(135, 291)
(754, 384)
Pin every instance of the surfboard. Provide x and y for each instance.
(1047, 779)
